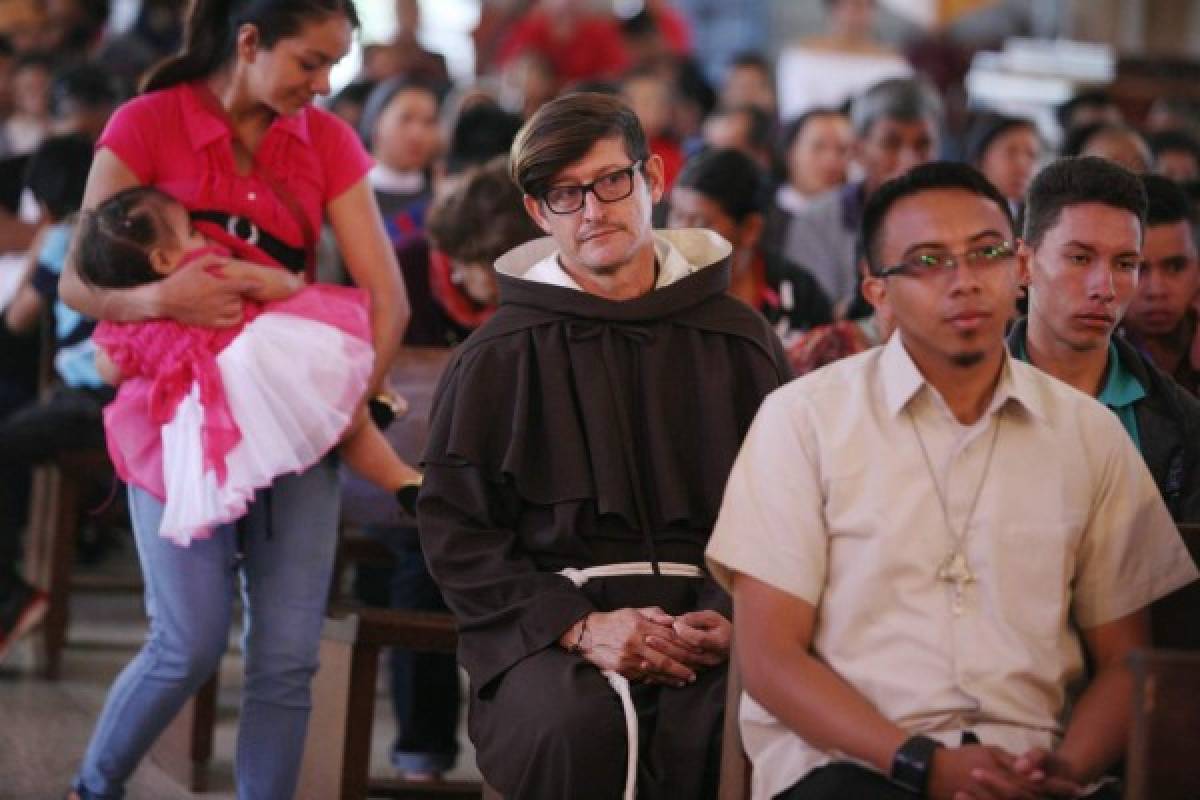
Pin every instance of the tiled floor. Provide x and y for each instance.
(44, 726)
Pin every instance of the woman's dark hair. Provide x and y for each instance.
(212, 26)
(113, 242)
(792, 131)
(986, 128)
(729, 178)
(57, 173)
(381, 97)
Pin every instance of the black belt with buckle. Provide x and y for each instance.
(295, 259)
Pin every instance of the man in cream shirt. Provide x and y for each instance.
(922, 540)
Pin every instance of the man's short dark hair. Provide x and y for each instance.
(729, 178)
(563, 131)
(1166, 202)
(1089, 98)
(58, 171)
(481, 132)
(1077, 180)
(932, 176)
(1174, 141)
(83, 86)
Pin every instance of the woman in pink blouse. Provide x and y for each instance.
(228, 129)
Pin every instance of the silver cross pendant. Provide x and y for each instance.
(954, 569)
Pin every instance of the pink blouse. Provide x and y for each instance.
(169, 139)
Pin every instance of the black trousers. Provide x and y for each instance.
(844, 781)
(70, 419)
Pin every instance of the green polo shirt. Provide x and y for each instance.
(1121, 390)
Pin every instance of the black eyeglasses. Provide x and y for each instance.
(935, 262)
(608, 188)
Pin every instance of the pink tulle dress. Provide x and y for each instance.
(205, 416)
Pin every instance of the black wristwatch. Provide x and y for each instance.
(383, 410)
(913, 762)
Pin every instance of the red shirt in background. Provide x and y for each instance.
(675, 30)
(593, 49)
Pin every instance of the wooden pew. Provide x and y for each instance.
(1176, 617)
(1163, 761)
(337, 753)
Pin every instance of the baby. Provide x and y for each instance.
(204, 417)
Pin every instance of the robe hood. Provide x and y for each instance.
(706, 253)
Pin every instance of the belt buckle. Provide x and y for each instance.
(234, 222)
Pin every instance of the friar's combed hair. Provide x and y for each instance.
(563, 131)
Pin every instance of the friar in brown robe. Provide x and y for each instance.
(574, 432)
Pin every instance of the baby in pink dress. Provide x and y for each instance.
(206, 416)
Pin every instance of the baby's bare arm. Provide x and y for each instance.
(270, 283)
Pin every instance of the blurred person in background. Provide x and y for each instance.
(652, 98)
(29, 121)
(724, 191)
(82, 98)
(1161, 320)
(897, 125)
(579, 44)
(816, 154)
(1172, 113)
(1114, 141)
(349, 101)
(527, 82)
(400, 128)
(74, 28)
(1176, 155)
(749, 81)
(156, 33)
(412, 60)
(746, 128)
(1087, 107)
(1007, 150)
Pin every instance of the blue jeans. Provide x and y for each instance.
(289, 537)
(425, 693)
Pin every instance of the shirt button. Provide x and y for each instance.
(251, 196)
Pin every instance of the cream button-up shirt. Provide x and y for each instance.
(832, 501)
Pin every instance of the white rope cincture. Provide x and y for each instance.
(618, 682)
(673, 570)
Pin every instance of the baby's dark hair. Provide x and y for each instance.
(114, 241)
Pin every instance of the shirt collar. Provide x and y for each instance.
(204, 127)
(1121, 388)
(902, 381)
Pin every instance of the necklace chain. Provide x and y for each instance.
(954, 567)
